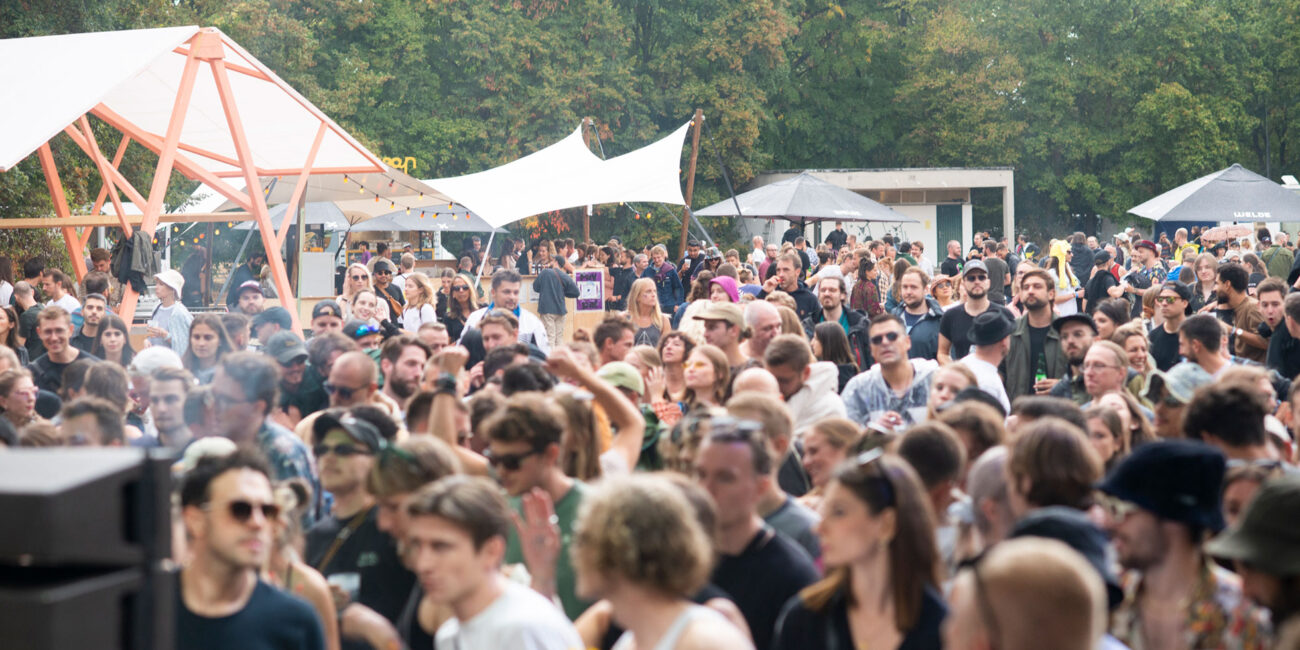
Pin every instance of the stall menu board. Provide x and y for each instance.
(591, 290)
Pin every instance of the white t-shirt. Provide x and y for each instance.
(68, 302)
(986, 377)
(413, 318)
(835, 271)
(520, 619)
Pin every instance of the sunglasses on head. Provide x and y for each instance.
(342, 391)
(343, 450)
(367, 330)
(242, 511)
(880, 339)
(511, 462)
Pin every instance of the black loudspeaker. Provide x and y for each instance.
(82, 551)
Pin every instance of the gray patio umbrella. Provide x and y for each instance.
(446, 220)
(1232, 194)
(804, 199)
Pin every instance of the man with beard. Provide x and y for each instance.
(1162, 500)
(789, 271)
(920, 313)
(1035, 360)
(955, 325)
(1077, 332)
(402, 360)
(245, 273)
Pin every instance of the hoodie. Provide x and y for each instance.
(818, 399)
(925, 333)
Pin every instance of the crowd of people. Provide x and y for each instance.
(799, 445)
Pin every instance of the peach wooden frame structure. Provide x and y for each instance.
(204, 48)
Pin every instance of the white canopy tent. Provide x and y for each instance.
(568, 175)
(235, 120)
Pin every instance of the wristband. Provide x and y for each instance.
(445, 384)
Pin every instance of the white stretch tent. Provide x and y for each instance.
(136, 74)
(567, 175)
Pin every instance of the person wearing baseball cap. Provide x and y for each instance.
(250, 297)
(1162, 500)
(1170, 392)
(1263, 547)
(349, 541)
(1148, 271)
(326, 316)
(955, 325)
(724, 327)
(290, 353)
(1077, 332)
(169, 325)
(271, 320)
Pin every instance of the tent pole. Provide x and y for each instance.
(487, 250)
(586, 215)
(697, 121)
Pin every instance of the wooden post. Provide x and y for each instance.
(698, 121)
(586, 212)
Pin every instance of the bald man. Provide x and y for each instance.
(1025, 594)
(757, 380)
(764, 323)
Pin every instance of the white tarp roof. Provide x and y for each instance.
(50, 81)
(566, 175)
(354, 194)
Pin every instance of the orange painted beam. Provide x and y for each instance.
(300, 187)
(71, 240)
(278, 271)
(100, 163)
(187, 165)
(119, 181)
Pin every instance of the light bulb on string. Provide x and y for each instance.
(408, 211)
(345, 178)
(361, 190)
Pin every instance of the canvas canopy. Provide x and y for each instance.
(136, 74)
(191, 95)
(567, 175)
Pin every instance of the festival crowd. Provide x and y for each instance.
(850, 444)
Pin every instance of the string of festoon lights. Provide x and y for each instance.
(392, 203)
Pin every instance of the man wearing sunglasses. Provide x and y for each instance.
(1172, 302)
(893, 394)
(956, 323)
(348, 541)
(227, 508)
(524, 451)
(1162, 500)
(386, 290)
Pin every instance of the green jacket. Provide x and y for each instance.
(1278, 261)
(1018, 368)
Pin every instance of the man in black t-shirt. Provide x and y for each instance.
(28, 312)
(955, 326)
(1172, 303)
(55, 329)
(227, 508)
(952, 264)
(348, 545)
(758, 567)
(838, 237)
(92, 313)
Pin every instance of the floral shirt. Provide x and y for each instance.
(290, 458)
(1218, 616)
(865, 298)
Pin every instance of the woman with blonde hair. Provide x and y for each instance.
(825, 446)
(708, 377)
(882, 564)
(644, 312)
(420, 303)
(638, 545)
(1068, 289)
(355, 278)
(790, 323)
